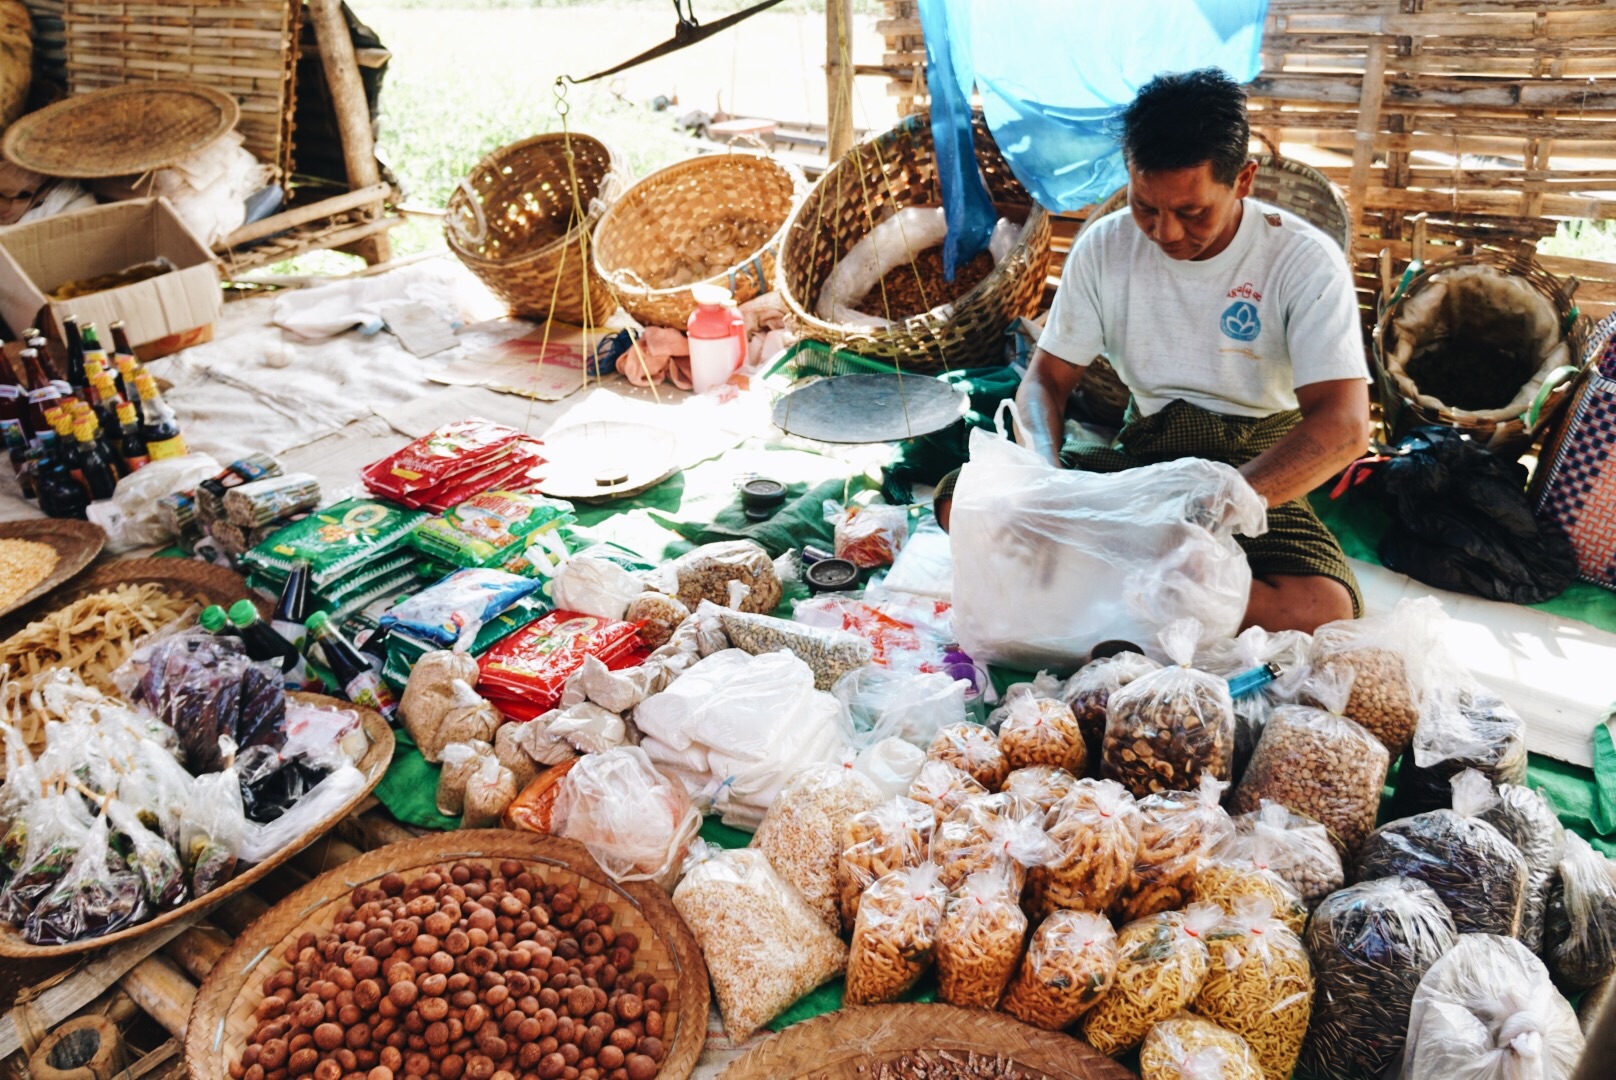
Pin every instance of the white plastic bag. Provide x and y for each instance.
(1488, 1011)
(887, 704)
(591, 586)
(891, 765)
(637, 823)
(130, 519)
(1050, 562)
(925, 566)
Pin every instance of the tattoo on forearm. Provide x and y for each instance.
(1293, 461)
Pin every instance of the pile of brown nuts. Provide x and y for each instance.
(468, 972)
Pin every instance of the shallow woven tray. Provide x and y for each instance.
(76, 543)
(203, 582)
(373, 765)
(222, 1016)
(121, 131)
(852, 1042)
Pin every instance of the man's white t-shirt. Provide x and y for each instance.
(1234, 334)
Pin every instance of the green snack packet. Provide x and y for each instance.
(363, 578)
(495, 529)
(335, 539)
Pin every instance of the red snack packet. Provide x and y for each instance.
(452, 463)
(524, 674)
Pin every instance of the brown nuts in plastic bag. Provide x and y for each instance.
(1069, 966)
(1392, 658)
(894, 935)
(1088, 693)
(709, 571)
(1166, 730)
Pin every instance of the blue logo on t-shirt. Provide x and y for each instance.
(1240, 321)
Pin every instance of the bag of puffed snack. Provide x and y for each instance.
(802, 831)
(980, 940)
(894, 935)
(1096, 830)
(894, 835)
(1069, 966)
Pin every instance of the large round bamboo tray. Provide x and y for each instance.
(373, 764)
(222, 1016)
(1289, 185)
(122, 130)
(1511, 437)
(877, 178)
(642, 238)
(514, 223)
(76, 544)
(852, 1043)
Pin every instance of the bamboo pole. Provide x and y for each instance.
(162, 991)
(1363, 150)
(352, 112)
(839, 77)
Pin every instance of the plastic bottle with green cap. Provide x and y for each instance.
(214, 620)
(263, 643)
(359, 681)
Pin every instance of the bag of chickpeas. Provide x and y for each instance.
(1177, 832)
(1259, 985)
(1164, 731)
(1069, 966)
(894, 935)
(1394, 658)
(895, 835)
(1189, 1048)
(1291, 845)
(1161, 962)
(1095, 829)
(980, 940)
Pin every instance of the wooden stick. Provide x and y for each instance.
(1374, 85)
(153, 1061)
(839, 76)
(341, 66)
(198, 949)
(235, 913)
(302, 215)
(162, 991)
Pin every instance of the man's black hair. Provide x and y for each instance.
(1182, 119)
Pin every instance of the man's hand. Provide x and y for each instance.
(1041, 404)
(1334, 431)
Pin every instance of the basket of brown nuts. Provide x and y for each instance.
(466, 956)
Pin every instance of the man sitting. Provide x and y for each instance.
(1235, 328)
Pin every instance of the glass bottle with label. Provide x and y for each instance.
(131, 444)
(263, 643)
(360, 684)
(292, 611)
(159, 427)
(99, 477)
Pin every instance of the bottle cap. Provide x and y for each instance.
(126, 412)
(147, 383)
(317, 622)
(242, 612)
(212, 618)
(84, 430)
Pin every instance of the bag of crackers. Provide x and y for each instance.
(1069, 966)
(895, 835)
(1178, 831)
(894, 935)
(1164, 731)
(980, 940)
(1039, 730)
(1096, 829)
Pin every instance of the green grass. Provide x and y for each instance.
(1582, 240)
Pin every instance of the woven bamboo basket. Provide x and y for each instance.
(1281, 182)
(1510, 437)
(76, 544)
(888, 173)
(689, 207)
(513, 222)
(222, 1016)
(373, 764)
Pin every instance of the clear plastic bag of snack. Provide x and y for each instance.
(1070, 964)
(1178, 830)
(991, 831)
(1161, 962)
(440, 707)
(636, 822)
(1480, 875)
(1088, 693)
(1227, 881)
(450, 613)
(212, 830)
(868, 536)
(894, 936)
(802, 832)
(1318, 762)
(830, 654)
(533, 809)
(1259, 985)
(1095, 829)
(1486, 1010)
(1042, 731)
(658, 617)
(489, 791)
(149, 855)
(39, 848)
(1370, 945)
(1185, 1047)
(1465, 728)
(1045, 785)
(459, 762)
(1293, 846)
(708, 572)
(1166, 730)
(893, 835)
(980, 940)
(97, 895)
(973, 748)
(1587, 956)
(1285, 653)
(1395, 659)
(1526, 820)
(765, 947)
(943, 787)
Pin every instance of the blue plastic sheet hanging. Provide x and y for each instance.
(966, 203)
(1052, 75)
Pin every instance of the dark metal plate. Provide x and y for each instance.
(870, 408)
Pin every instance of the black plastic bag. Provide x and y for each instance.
(1461, 521)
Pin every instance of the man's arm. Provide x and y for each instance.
(1041, 403)
(1334, 431)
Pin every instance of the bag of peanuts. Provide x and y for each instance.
(1293, 846)
(1096, 830)
(1166, 730)
(1161, 962)
(1070, 964)
(1042, 731)
(1177, 831)
(1259, 985)
(1045, 785)
(1088, 693)
(1461, 728)
(991, 830)
(764, 946)
(735, 573)
(1480, 875)
(1395, 659)
(1528, 821)
(637, 822)
(802, 831)
(1586, 956)
(1186, 1047)
(1370, 944)
(1317, 762)
(980, 939)
(1285, 653)
(973, 749)
(894, 835)
(894, 935)
(943, 787)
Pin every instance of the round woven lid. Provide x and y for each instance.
(121, 131)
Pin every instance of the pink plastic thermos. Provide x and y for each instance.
(717, 337)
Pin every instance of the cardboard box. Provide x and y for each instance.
(162, 314)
